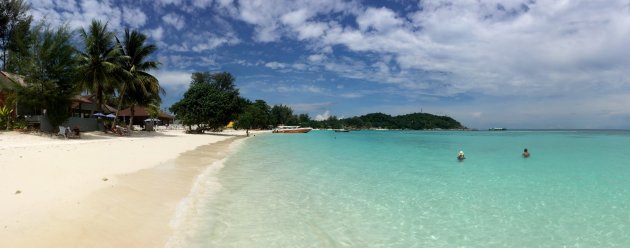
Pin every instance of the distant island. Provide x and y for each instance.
(414, 121)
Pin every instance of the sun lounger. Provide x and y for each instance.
(62, 132)
(73, 133)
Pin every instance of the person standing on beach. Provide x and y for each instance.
(525, 153)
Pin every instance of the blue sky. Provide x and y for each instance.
(515, 64)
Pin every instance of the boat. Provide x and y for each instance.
(292, 129)
(497, 129)
(341, 130)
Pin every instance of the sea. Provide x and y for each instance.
(407, 189)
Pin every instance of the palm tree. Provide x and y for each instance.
(140, 88)
(100, 70)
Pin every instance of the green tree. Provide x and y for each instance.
(140, 87)
(281, 115)
(304, 120)
(255, 115)
(100, 71)
(49, 73)
(246, 119)
(210, 102)
(261, 112)
(13, 19)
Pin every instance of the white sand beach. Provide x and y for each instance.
(100, 190)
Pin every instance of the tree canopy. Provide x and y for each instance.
(49, 73)
(100, 63)
(13, 20)
(256, 115)
(211, 102)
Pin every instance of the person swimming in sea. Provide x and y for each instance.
(525, 153)
(460, 156)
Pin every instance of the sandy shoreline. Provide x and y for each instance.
(99, 191)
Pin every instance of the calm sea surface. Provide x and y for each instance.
(406, 189)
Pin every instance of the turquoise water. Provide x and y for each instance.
(406, 189)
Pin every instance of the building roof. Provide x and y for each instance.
(140, 111)
(90, 99)
(9, 80)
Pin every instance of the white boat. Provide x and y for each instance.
(292, 129)
(497, 129)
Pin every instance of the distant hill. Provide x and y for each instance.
(415, 121)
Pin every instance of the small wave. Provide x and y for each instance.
(206, 185)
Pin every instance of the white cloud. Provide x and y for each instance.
(299, 66)
(316, 58)
(134, 17)
(173, 78)
(213, 42)
(322, 116)
(66, 5)
(156, 33)
(79, 14)
(202, 3)
(310, 107)
(381, 19)
(271, 18)
(174, 20)
(299, 88)
(275, 65)
(481, 47)
(351, 95)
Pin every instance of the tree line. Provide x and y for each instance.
(114, 68)
(212, 101)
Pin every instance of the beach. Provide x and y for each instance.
(100, 190)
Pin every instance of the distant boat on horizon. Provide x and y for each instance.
(497, 129)
(292, 129)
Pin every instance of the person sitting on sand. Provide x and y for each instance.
(460, 155)
(525, 153)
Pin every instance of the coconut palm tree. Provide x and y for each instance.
(140, 88)
(100, 70)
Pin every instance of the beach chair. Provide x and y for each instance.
(71, 133)
(62, 132)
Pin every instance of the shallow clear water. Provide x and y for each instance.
(406, 189)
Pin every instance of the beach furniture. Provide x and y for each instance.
(72, 134)
(62, 131)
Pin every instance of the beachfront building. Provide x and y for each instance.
(81, 110)
(82, 116)
(140, 116)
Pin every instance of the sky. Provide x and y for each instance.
(515, 64)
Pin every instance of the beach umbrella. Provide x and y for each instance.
(99, 114)
(110, 116)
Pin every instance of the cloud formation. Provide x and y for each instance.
(407, 52)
